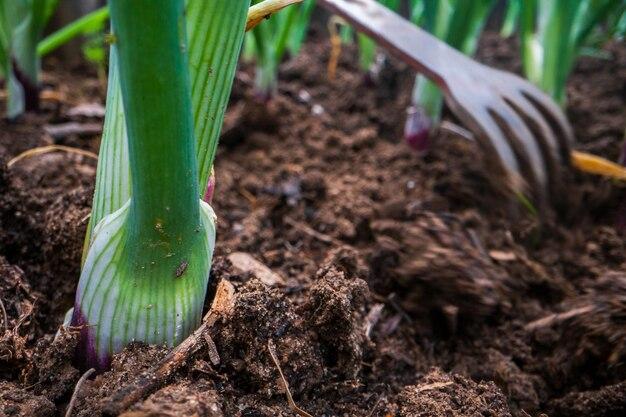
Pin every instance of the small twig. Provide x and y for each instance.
(371, 413)
(335, 45)
(214, 355)
(5, 318)
(434, 385)
(50, 148)
(457, 130)
(555, 318)
(478, 244)
(79, 384)
(155, 377)
(248, 196)
(311, 232)
(84, 219)
(24, 316)
(292, 404)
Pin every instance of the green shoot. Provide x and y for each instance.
(301, 27)
(150, 240)
(553, 33)
(511, 17)
(367, 46)
(90, 23)
(268, 43)
(460, 24)
(21, 26)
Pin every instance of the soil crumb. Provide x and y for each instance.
(443, 395)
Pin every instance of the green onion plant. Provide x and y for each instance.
(459, 23)
(617, 25)
(511, 18)
(367, 47)
(87, 24)
(552, 35)
(21, 27)
(92, 27)
(22, 47)
(150, 239)
(268, 43)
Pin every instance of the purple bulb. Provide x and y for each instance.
(86, 356)
(417, 129)
(210, 189)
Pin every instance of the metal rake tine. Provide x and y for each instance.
(524, 145)
(554, 115)
(493, 140)
(543, 134)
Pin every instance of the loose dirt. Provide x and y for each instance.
(412, 287)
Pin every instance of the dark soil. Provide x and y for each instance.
(408, 285)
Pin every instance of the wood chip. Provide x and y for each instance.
(372, 318)
(91, 110)
(214, 355)
(435, 385)
(559, 317)
(63, 130)
(502, 256)
(245, 263)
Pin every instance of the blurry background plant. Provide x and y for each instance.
(553, 33)
(91, 27)
(511, 18)
(459, 23)
(370, 60)
(22, 23)
(268, 43)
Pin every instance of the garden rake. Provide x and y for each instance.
(521, 130)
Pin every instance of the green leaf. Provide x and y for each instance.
(146, 270)
(91, 22)
(157, 303)
(511, 18)
(215, 31)
(458, 22)
(113, 184)
(272, 38)
(552, 33)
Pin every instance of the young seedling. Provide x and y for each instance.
(370, 61)
(511, 18)
(150, 241)
(268, 43)
(459, 23)
(21, 26)
(552, 35)
(150, 238)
